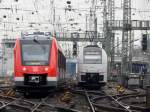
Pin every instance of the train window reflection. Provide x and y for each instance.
(92, 52)
(93, 57)
(35, 53)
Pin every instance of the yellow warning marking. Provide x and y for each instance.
(120, 89)
(10, 92)
(66, 97)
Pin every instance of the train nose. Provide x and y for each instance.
(92, 78)
(35, 69)
(35, 79)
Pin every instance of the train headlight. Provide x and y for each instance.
(46, 69)
(24, 68)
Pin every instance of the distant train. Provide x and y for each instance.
(39, 63)
(92, 66)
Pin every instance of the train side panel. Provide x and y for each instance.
(53, 70)
(18, 69)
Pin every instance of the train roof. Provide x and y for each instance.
(36, 35)
(39, 36)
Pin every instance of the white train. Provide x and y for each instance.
(92, 66)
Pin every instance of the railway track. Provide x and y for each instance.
(23, 105)
(103, 102)
(54, 102)
(75, 101)
(117, 103)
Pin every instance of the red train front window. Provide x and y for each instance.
(35, 52)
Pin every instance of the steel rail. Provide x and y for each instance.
(89, 101)
(66, 109)
(15, 103)
(61, 108)
(108, 108)
(36, 106)
(18, 106)
(133, 106)
(131, 95)
(2, 107)
(126, 107)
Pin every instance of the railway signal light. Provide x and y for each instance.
(17, 18)
(144, 42)
(74, 48)
(4, 16)
(68, 2)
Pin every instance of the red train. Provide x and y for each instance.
(39, 64)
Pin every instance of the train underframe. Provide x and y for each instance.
(93, 80)
(35, 83)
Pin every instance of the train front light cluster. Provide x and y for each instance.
(24, 68)
(46, 69)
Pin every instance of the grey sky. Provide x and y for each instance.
(40, 11)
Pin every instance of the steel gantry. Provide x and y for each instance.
(126, 37)
(126, 26)
(111, 17)
(108, 19)
(91, 22)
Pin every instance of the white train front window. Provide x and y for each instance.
(92, 57)
(92, 53)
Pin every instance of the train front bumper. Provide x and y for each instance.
(21, 87)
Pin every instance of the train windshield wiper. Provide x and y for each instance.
(36, 41)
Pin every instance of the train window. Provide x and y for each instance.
(35, 54)
(92, 57)
(92, 52)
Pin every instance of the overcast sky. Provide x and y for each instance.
(29, 15)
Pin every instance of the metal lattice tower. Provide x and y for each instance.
(109, 17)
(126, 37)
(91, 28)
(105, 23)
